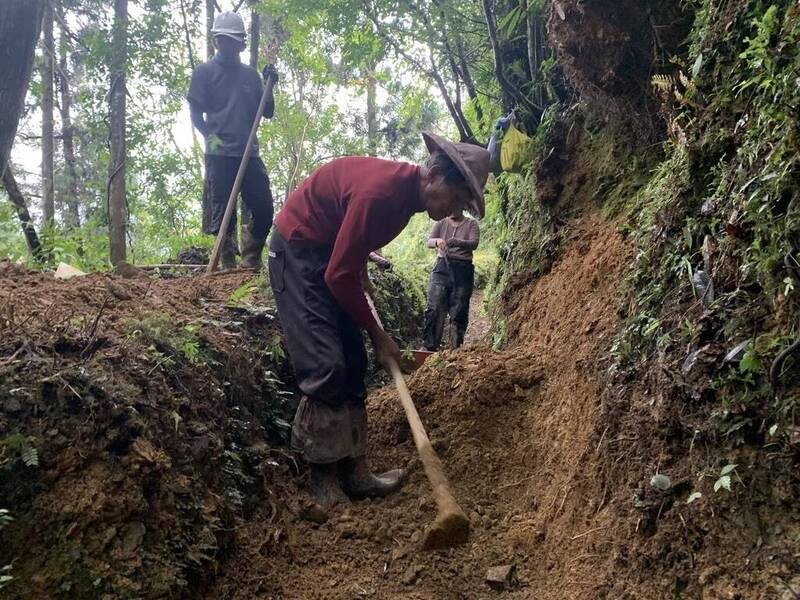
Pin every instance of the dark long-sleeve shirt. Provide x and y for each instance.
(355, 205)
(228, 92)
(462, 237)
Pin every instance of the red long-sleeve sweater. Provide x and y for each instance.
(356, 205)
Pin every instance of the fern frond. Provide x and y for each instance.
(30, 456)
(663, 82)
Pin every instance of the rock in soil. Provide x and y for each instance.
(313, 512)
(503, 577)
(411, 575)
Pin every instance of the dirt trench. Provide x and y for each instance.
(516, 430)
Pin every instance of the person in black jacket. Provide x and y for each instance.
(224, 96)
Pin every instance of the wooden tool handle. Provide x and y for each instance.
(237, 184)
(434, 469)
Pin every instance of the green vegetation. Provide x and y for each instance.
(5, 577)
(167, 342)
(718, 224)
(17, 449)
(355, 79)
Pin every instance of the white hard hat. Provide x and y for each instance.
(231, 24)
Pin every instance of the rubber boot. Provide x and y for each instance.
(251, 253)
(359, 482)
(323, 485)
(227, 257)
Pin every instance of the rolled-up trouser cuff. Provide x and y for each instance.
(325, 433)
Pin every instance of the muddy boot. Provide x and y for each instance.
(251, 253)
(227, 257)
(323, 485)
(359, 482)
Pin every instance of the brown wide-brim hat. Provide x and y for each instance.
(473, 163)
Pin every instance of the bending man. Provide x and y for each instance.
(228, 93)
(317, 265)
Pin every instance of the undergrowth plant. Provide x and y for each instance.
(5, 571)
(718, 225)
(167, 342)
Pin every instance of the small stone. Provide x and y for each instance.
(400, 552)
(474, 518)
(382, 533)
(314, 512)
(109, 535)
(661, 482)
(132, 539)
(411, 575)
(416, 537)
(348, 530)
(792, 591)
(502, 577)
(12, 406)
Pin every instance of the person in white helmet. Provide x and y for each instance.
(224, 95)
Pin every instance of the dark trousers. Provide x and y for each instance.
(327, 352)
(221, 174)
(449, 292)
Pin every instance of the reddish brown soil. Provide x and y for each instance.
(552, 469)
(516, 430)
(156, 479)
(146, 457)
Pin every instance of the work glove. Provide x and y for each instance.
(270, 71)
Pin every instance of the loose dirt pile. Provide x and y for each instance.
(147, 405)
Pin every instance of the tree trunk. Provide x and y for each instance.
(70, 191)
(432, 72)
(18, 200)
(209, 24)
(457, 83)
(246, 239)
(511, 95)
(48, 60)
(463, 132)
(188, 35)
(535, 35)
(255, 36)
(372, 114)
(469, 83)
(117, 199)
(20, 23)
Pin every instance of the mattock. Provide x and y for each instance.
(451, 526)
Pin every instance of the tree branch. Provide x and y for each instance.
(25, 221)
(512, 93)
(432, 72)
(187, 35)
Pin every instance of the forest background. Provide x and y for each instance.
(357, 78)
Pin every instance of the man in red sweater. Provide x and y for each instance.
(317, 267)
